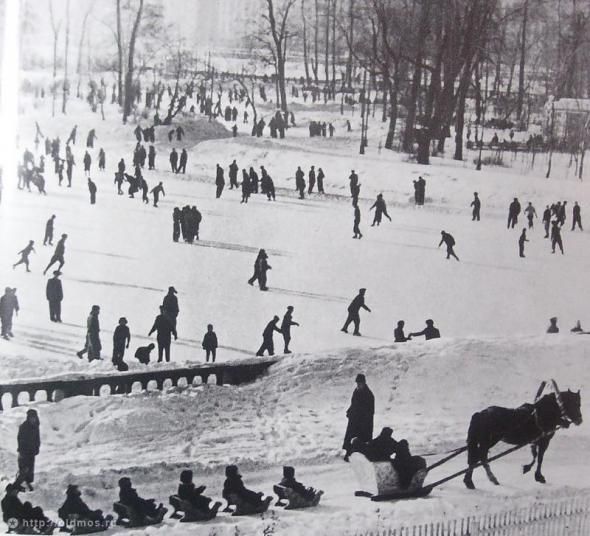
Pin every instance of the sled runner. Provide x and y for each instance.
(191, 513)
(295, 500)
(75, 525)
(50, 527)
(243, 508)
(380, 481)
(129, 518)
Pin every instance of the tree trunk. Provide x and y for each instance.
(351, 36)
(129, 96)
(66, 83)
(460, 126)
(305, 51)
(327, 45)
(334, 50)
(80, 48)
(119, 56)
(393, 91)
(316, 30)
(520, 101)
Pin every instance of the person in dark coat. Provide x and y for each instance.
(382, 447)
(48, 238)
(267, 340)
(268, 186)
(219, 182)
(74, 511)
(188, 492)
(138, 133)
(54, 294)
(449, 241)
(406, 465)
(156, 191)
(143, 353)
(233, 485)
(121, 340)
(58, 254)
(93, 345)
(561, 215)
(90, 138)
(170, 305)
(20, 517)
(300, 182)
(102, 159)
(151, 158)
(144, 508)
(183, 160)
(360, 415)
(253, 181)
(233, 175)
(8, 306)
(556, 236)
(321, 178)
(357, 220)
(210, 344)
(521, 240)
(398, 333)
(72, 137)
(165, 328)
(29, 443)
(92, 189)
(476, 204)
(289, 481)
(286, 328)
(87, 161)
(246, 188)
(429, 332)
(513, 212)
(173, 160)
(553, 325)
(261, 253)
(311, 180)
(380, 210)
(576, 217)
(261, 269)
(176, 216)
(353, 312)
(546, 220)
(24, 255)
(179, 133)
(354, 185)
(144, 190)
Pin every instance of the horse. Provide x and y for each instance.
(530, 423)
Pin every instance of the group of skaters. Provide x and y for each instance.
(186, 222)
(313, 178)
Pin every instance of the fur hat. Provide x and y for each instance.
(186, 477)
(288, 471)
(231, 470)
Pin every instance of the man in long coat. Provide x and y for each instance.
(29, 443)
(360, 415)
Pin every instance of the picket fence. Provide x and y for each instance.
(568, 517)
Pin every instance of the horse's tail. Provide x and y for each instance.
(473, 437)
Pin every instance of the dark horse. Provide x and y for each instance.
(530, 423)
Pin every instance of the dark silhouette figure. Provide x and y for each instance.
(355, 187)
(234, 487)
(449, 241)
(143, 353)
(261, 267)
(300, 182)
(8, 306)
(102, 159)
(165, 329)
(476, 204)
(576, 217)
(419, 191)
(357, 220)
(174, 160)
(547, 220)
(58, 254)
(522, 239)
(29, 444)
(145, 510)
(429, 332)
(513, 212)
(54, 294)
(156, 191)
(183, 160)
(553, 325)
(92, 190)
(286, 328)
(187, 491)
(170, 305)
(151, 158)
(354, 308)
(556, 237)
(267, 339)
(311, 180)
(320, 179)
(75, 512)
(406, 465)
(121, 340)
(87, 161)
(233, 175)
(398, 332)
(380, 210)
(219, 182)
(24, 255)
(530, 214)
(210, 344)
(360, 415)
(92, 345)
(48, 238)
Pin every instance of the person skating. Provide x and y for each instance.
(24, 255)
(92, 345)
(121, 340)
(170, 305)
(513, 212)
(380, 210)
(553, 325)
(58, 254)
(522, 239)
(183, 161)
(72, 136)
(142, 354)
(102, 160)
(48, 238)
(576, 217)
(119, 180)
(357, 220)
(246, 188)
(561, 214)
(210, 344)
(174, 160)
(151, 158)
(144, 191)
(286, 328)
(87, 162)
(547, 220)
(233, 175)
(311, 180)
(219, 181)
(165, 329)
(267, 338)
(360, 415)
(90, 138)
(476, 204)
(300, 182)
(176, 216)
(253, 181)
(29, 444)
(8, 307)
(354, 186)
(54, 294)
(321, 178)
(261, 253)
(354, 308)
(187, 491)
(429, 332)
(156, 191)
(530, 214)
(398, 333)
(556, 236)
(70, 163)
(92, 190)
(449, 241)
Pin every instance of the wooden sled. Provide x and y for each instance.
(22, 529)
(243, 508)
(191, 514)
(380, 481)
(295, 500)
(127, 517)
(76, 525)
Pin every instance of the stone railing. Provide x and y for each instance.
(56, 389)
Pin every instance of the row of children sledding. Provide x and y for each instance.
(189, 505)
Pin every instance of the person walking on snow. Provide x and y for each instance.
(513, 212)
(360, 415)
(183, 159)
(556, 236)
(156, 191)
(58, 255)
(8, 306)
(48, 238)
(547, 220)
(173, 160)
(170, 305)
(380, 210)
(354, 308)
(357, 220)
(29, 444)
(530, 214)
(165, 329)
(93, 345)
(448, 239)
(210, 344)
(24, 255)
(521, 242)
(121, 340)
(219, 182)
(267, 340)
(54, 294)
(576, 217)
(92, 189)
(476, 204)
(286, 328)
(87, 161)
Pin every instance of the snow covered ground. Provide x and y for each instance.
(492, 309)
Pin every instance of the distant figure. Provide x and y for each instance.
(87, 161)
(513, 212)
(429, 332)
(24, 255)
(320, 179)
(556, 237)
(151, 158)
(354, 308)
(101, 159)
(183, 160)
(144, 509)
(48, 238)
(267, 338)
(72, 137)
(577, 328)
(210, 344)
(76, 512)
(219, 182)
(449, 241)
(165, 329)
(187, 491)
(286, 328)
(289, 481)
(300, 182)
(233, 175)
(398, 333)
(92, 345)
(58, 254)
(357, 220)
(360, 415)
(380, 210)
(54, 294)
(476, 204)
(174, 160)
(547, 220)
(29, 443)
(530, 214)
(311, 180)
(8, 306)
(143, 353)
(90, 138)
(576, 217)
(419, 191)
(521, 242)
(553, 325)
(156, 191)
(121, 340)
(261, 266)
(92, 189)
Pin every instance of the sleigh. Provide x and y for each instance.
(128, 517)
(380, 481)
(75, 524)
(294, 499)
(243, 508)
(24, 529)
(189, 512)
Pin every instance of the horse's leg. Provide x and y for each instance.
(492, 478)
(526, 468)
(543, 444)
(468, 478)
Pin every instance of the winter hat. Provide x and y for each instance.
(125, 482)
(231, 470)
(72, 490)
(288, 471)
(360, 378)
(186, 477)
(171, 289)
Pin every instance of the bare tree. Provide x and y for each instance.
(305, 49)
(66, 82)
(55, 28)
(119, 39)
(81, 47)
(129, 93)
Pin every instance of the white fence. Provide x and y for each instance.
(568, 517)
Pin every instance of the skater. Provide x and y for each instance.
(87, 161)
(151, 158)
(553, 325)
(245, 186)
(321, 178)
(521, 242)
(476, 204)
(380, 210)
(547, 220)
(93, 345)
(173, 160)
(354, 308)
(55, 295)
(253, 181)
(286, 328)
(556, 236)
(121, 340)
(29, 444)
(90, 138)
(156, 191)
(354, 185)
(170, 305)
(267, 340)
(176, 217)
(357, 220)
(92, 189)
(513, 212)
(311, 180)
(8, 306)
(102, 160)
(398, 333)
(300, 182)
(119, 179)
(209, 344)
(561, 214)
(194, 496)
(183, 160)
(143, 353)
(234, 487)
(58, 254)
(72, 137)
(233, 175)
(360, 415)
(48, 238)
(165, 328)
(449, 241)
(429, 332)
(530, 214)
(219, 182)
(576, 217)
(24, 255)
